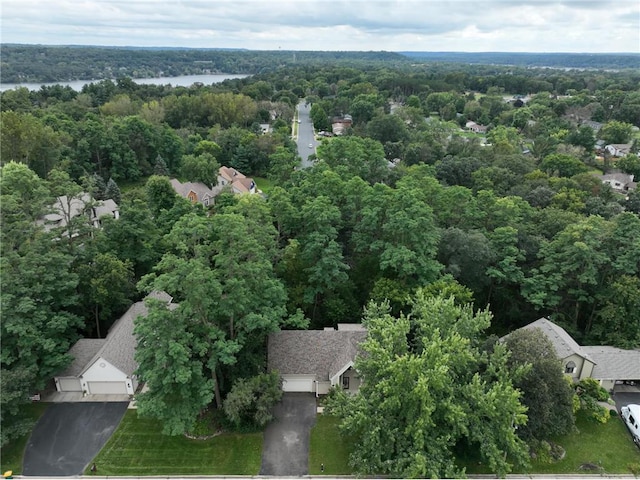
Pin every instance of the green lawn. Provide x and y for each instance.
(11, 455)
(263, 184)
(608, 445)
(329, 447)
(138, 448)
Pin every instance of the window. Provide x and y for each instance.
(345, 383)
(570, 367)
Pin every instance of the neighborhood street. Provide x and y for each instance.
(306, 135)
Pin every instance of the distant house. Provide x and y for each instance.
(196, 192)
(620, 182)
(475, 127)
(608, 365)
(107, 366)
(595, 126)
(316, 360)
(66, 208)
(265, 128)
(228, 176)
(618, 149)
(340, 124)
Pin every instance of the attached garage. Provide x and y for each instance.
(68, 384)
(107, 388)
(298, 383)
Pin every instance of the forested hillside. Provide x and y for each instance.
(508, 213)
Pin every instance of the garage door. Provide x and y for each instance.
(113, 388)
(297, 384)
(70, 384)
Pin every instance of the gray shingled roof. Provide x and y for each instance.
(82, 351)
(313, 352)
(120, 345)
(563, 343)
(614, 363)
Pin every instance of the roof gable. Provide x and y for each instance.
(563, 343)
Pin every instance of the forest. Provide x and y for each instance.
(48, 63)
(411, 210)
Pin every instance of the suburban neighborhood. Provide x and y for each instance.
(347, 264)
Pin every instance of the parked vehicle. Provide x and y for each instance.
(631, 416)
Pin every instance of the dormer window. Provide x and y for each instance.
(570, 367)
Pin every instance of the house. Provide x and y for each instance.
(108, 365)
(618, 149)
(196, 192)
(595, 126)
(340, 124)
(238, 182)
(265, 128)
(620, 182)
(608, 365)
(475, 127)
(66, 208)
(316, 360)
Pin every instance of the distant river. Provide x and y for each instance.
(182, 81)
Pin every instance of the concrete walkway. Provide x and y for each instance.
(76, 397)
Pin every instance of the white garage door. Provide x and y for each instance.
(297, 384)
(113, 388)
(69, 384)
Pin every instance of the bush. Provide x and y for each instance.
(613, 413)
(248, 405)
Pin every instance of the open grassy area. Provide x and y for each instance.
(138, 448)
(609, 445)
(11, 454)
(263, 184)
(329, 447)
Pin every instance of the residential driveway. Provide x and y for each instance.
(69, 435)
(286, 440)
(626, 394)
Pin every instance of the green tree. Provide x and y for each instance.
(107, 285)
(201, 168)
(563, 165)
(160, 194)
(428, 390)
(220, 271)
(546, 392)
(250, 402)
(616, 132)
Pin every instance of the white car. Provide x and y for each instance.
(631, 416)
(311, 145)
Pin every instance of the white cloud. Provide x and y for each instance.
(392, 25)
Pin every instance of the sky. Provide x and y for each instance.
(592, 26)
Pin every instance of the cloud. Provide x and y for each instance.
(393, 25)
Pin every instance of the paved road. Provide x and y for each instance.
(69, 435)
(286, 440)
(306, 135)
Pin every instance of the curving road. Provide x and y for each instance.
(306, 135)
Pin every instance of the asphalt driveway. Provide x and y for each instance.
(625, 395)
(285, 451)
(69, 435)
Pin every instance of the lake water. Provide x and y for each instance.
(182, 81)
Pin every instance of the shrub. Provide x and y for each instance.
(248, 405)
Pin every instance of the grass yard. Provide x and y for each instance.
(263, 184)
(138, 448)
(608, 445)
(11, 455)
(329, 447)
